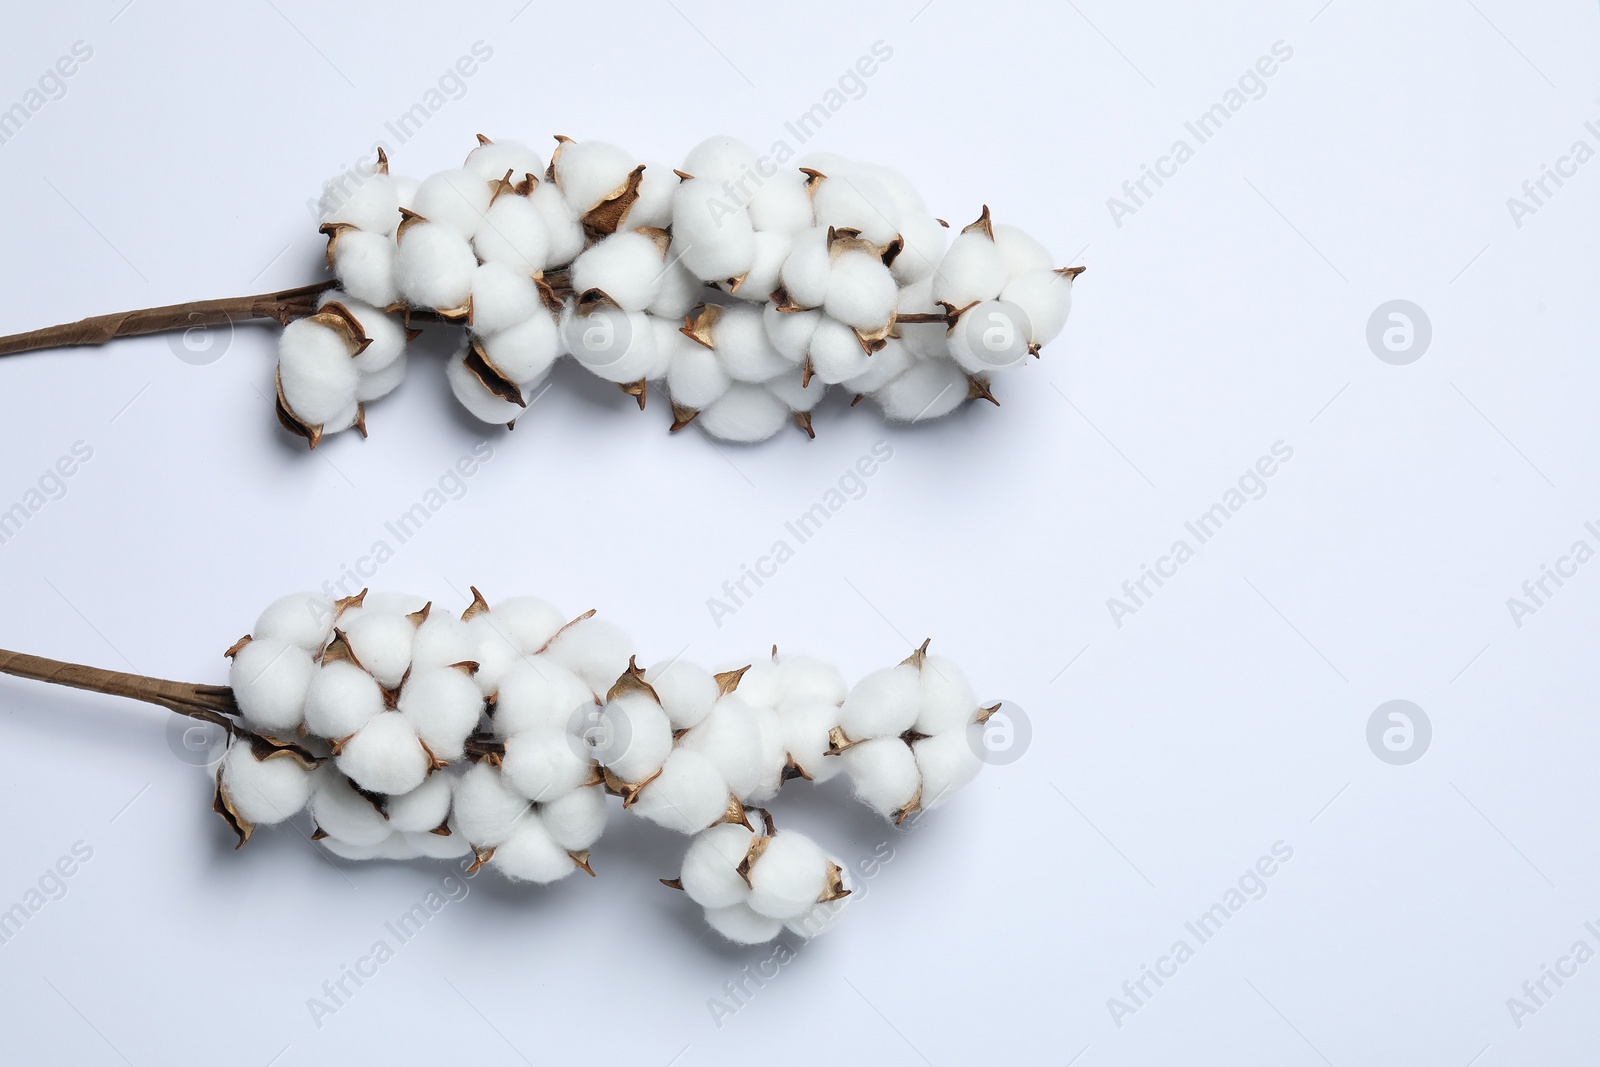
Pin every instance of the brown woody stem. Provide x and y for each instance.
(283, 306)
(210, 703)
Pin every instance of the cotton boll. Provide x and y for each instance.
(355, 853)
(576, 820)
(787, 388)
(269, 678)
(381, 642)
(530, 854)
(883, 704)
(434, 266)
(687, 691)
(745, 413)
(524, 352)
(819, 918)
(544, 763)
(340, 699)
(884, 773)
(619, 346)
(721, 158)
(695, 376)
(927, 340)
(491, 161)
(454, 198)
(923, 247)
(386, 602)
(384, 756)
(433, 846)
(760, 685)
(364, 263)
(884, 366)
(790, 331)
(1018, 251)
(743, 926)
(971, 270)
(514, 233)
(990, 336)
(561, 223)
(740, 342)
(806, 272)
(946, 700)
(861, 291)
(806, 678)
(730, 738)
(423, 809)
(647, 732)
(264, 791)
(486, 809)
(475, 396)
(931, 389)
(303, 619)
(315, 370)
(836, 354)
(441, 640)
(405, 191)
(688, 796)
(782, 204)
(711, 234)
(344, 418)
(371, 204)
(1046, 298)
(772, 755)
(654, 205)
(946, 762)
(595, 650)
(857, 201)
(788, 877)
(806, 727)
(386, 338)
(538, 692)
(626, 266)
(501, 298)
(679, 292)
(590, 171)
(710, 874)
(345, 814)
(443, 705)
(759, 282)
(529, 622)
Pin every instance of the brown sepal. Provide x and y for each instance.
(631, 681)
(480, 856)
(911, 808)
(802, 419)
(420, 616)
(982, 224)
(793, 770)
(697, 326)
(1070, 273)
(728, 681)
(292, 422)
(491, 377)
(319, 834)
(734, 813)
(638, 390)
(564, 628)
(838, 741)
(223, 806)
(672, 883)
(604, 218)
(581, 859)
(835, 889)
(978, 389)
(919, 655)
(408, 219)
(344, 604)
(333, 231)
(985, 714)
(477, 607)
(442, 830)
(681, 417)
(237, 646)
(758, 845)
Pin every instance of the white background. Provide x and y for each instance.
(1168, 754)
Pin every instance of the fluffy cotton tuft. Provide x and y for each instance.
(269, 678)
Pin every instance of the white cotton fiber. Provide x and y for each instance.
(654, 204)
(819, 918)
(1046, 298)
(759, 282)
(384, 756)
(806, 726)
(721, 158)
(341, 699)
(441, 640)
(988, 337)
(923, 241)
(501, 298)
(514, 232)
(529, 622)
(687, 797)
(381, 642)
(454, 198)
(647, 735)
(595, 650)
(861, 291)
(491, 161)
(386, 338)
(303, 619)
(946, 762)
(365, 266)
(782, 204)
(788, 877)
(379, 384)
(687, 691)
(884, 366)
(745, 413)
(387, 602)
(357, 853)
(695, 376)
(405, 191)
(743, 926)
(341, 812)
(373, 205)
(540, 692)
(946, 701)
(740, 342)
(712, 234)
(486, 808)
(772, 755)
(433, 846)
(590, 171)
(927, 340)
(806, 272)
(576, 820)
(883, 704)
(619, 346)
(545, 763)
(679, 292)
(710, 867)
(530, 854)
(971, 270)
(434, 266)
(731, 739)
(475, 396)
(806, 678)
(836, 354)
(443, 705)
(269, 678)
(884, 773)
(561, 223)
(423, 809)
(316, 371)
(787, 388)
(1019, 251)
(790, 331)
(760, 685)
(857, 201)
(264, 791)
(525, 351)
(931, 389)
(626, 266)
